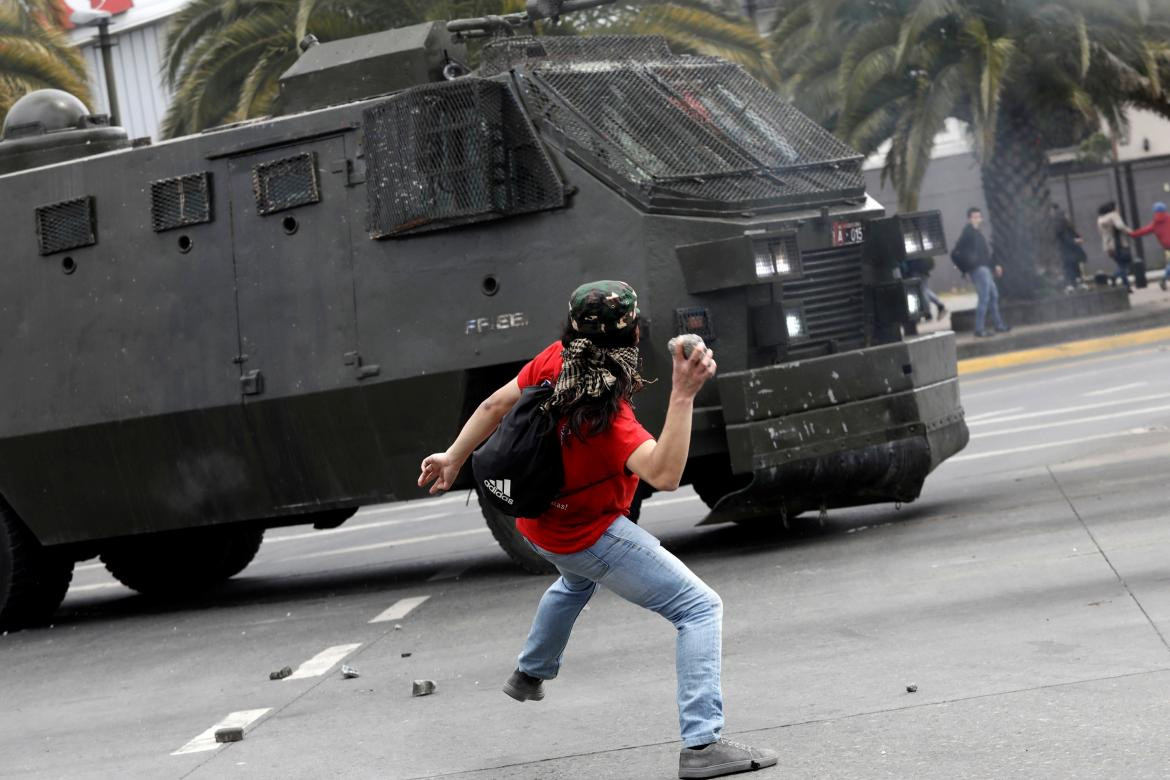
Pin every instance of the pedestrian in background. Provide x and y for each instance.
(1115, 240)
(972, 254)
(920, 268)
(1160, 227)
(1072, 253)
(586, 534)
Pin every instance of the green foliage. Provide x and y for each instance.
(900, 68)
(1095, 150)
(36, 54)
(223, 58)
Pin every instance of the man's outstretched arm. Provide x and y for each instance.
(443, 467)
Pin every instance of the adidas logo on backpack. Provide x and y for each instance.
(500, 488)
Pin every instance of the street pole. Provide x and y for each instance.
(108, 66)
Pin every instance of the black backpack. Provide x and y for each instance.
(518, 471)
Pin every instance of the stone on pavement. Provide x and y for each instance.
(229, 734)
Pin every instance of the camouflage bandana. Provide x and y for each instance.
(603, 307)
(585, 375)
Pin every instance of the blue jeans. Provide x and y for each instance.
(633, 564)
(988, 299)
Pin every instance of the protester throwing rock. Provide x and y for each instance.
(593, 372)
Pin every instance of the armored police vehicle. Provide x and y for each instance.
(271, 323)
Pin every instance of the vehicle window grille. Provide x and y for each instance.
(924, 232)
(453, 153)
(286, 183)
(693, 129)
(503, 54)
(180, 201)
(68, 224)
(831, 294)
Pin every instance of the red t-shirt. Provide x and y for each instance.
(578, 520)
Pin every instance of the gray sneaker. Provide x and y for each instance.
(723, 758)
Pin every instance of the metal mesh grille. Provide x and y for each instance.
(453, 153)
(831, 294)
(923, 233)
(286, 183)
(183, 200)
(693, 129)
(502, 55)
(68, 224)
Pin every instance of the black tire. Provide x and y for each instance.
(33, 578)
(503, 528)
(179, 563)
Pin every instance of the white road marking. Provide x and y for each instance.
(406, 506)
(449, 573)
(1070, 409)
(361, 527)
(668, 501)
(1046, 445)
(89, 566)
(1013, 376)
(981, 417)
(1079, 421)
(383, 545)
(400, 609)
(323, 661)
(206, 740)
(99, 586)
(1119, 388)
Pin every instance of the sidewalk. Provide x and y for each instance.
(1150, 309)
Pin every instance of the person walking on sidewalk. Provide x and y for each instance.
(1160, 227)
(1115, 240)
(1072, 253)
(972, 254)
(586, 534)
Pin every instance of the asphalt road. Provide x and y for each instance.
(1026, 594)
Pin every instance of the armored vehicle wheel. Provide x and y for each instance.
(516, 546)
(182, 562)
(33, 579)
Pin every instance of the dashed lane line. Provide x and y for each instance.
(1078, 421)
(406, 506)
(98, 586)
(988, 415)
(1118, 389)
(1051, 444)
(652, 503)
(359, 527)
(323, 661)
(384, 545)
(400, 609)
(206, 741)
(977, 420)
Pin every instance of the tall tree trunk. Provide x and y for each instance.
(1015, 184)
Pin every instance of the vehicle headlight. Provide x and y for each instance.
(795, 323)
(913, 305)
(778, 256)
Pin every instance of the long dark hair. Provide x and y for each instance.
(592, 416)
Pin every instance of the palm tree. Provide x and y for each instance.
(223, 59)
(36, 54)
(1026, 75)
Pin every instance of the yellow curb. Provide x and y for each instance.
(1058, 351)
